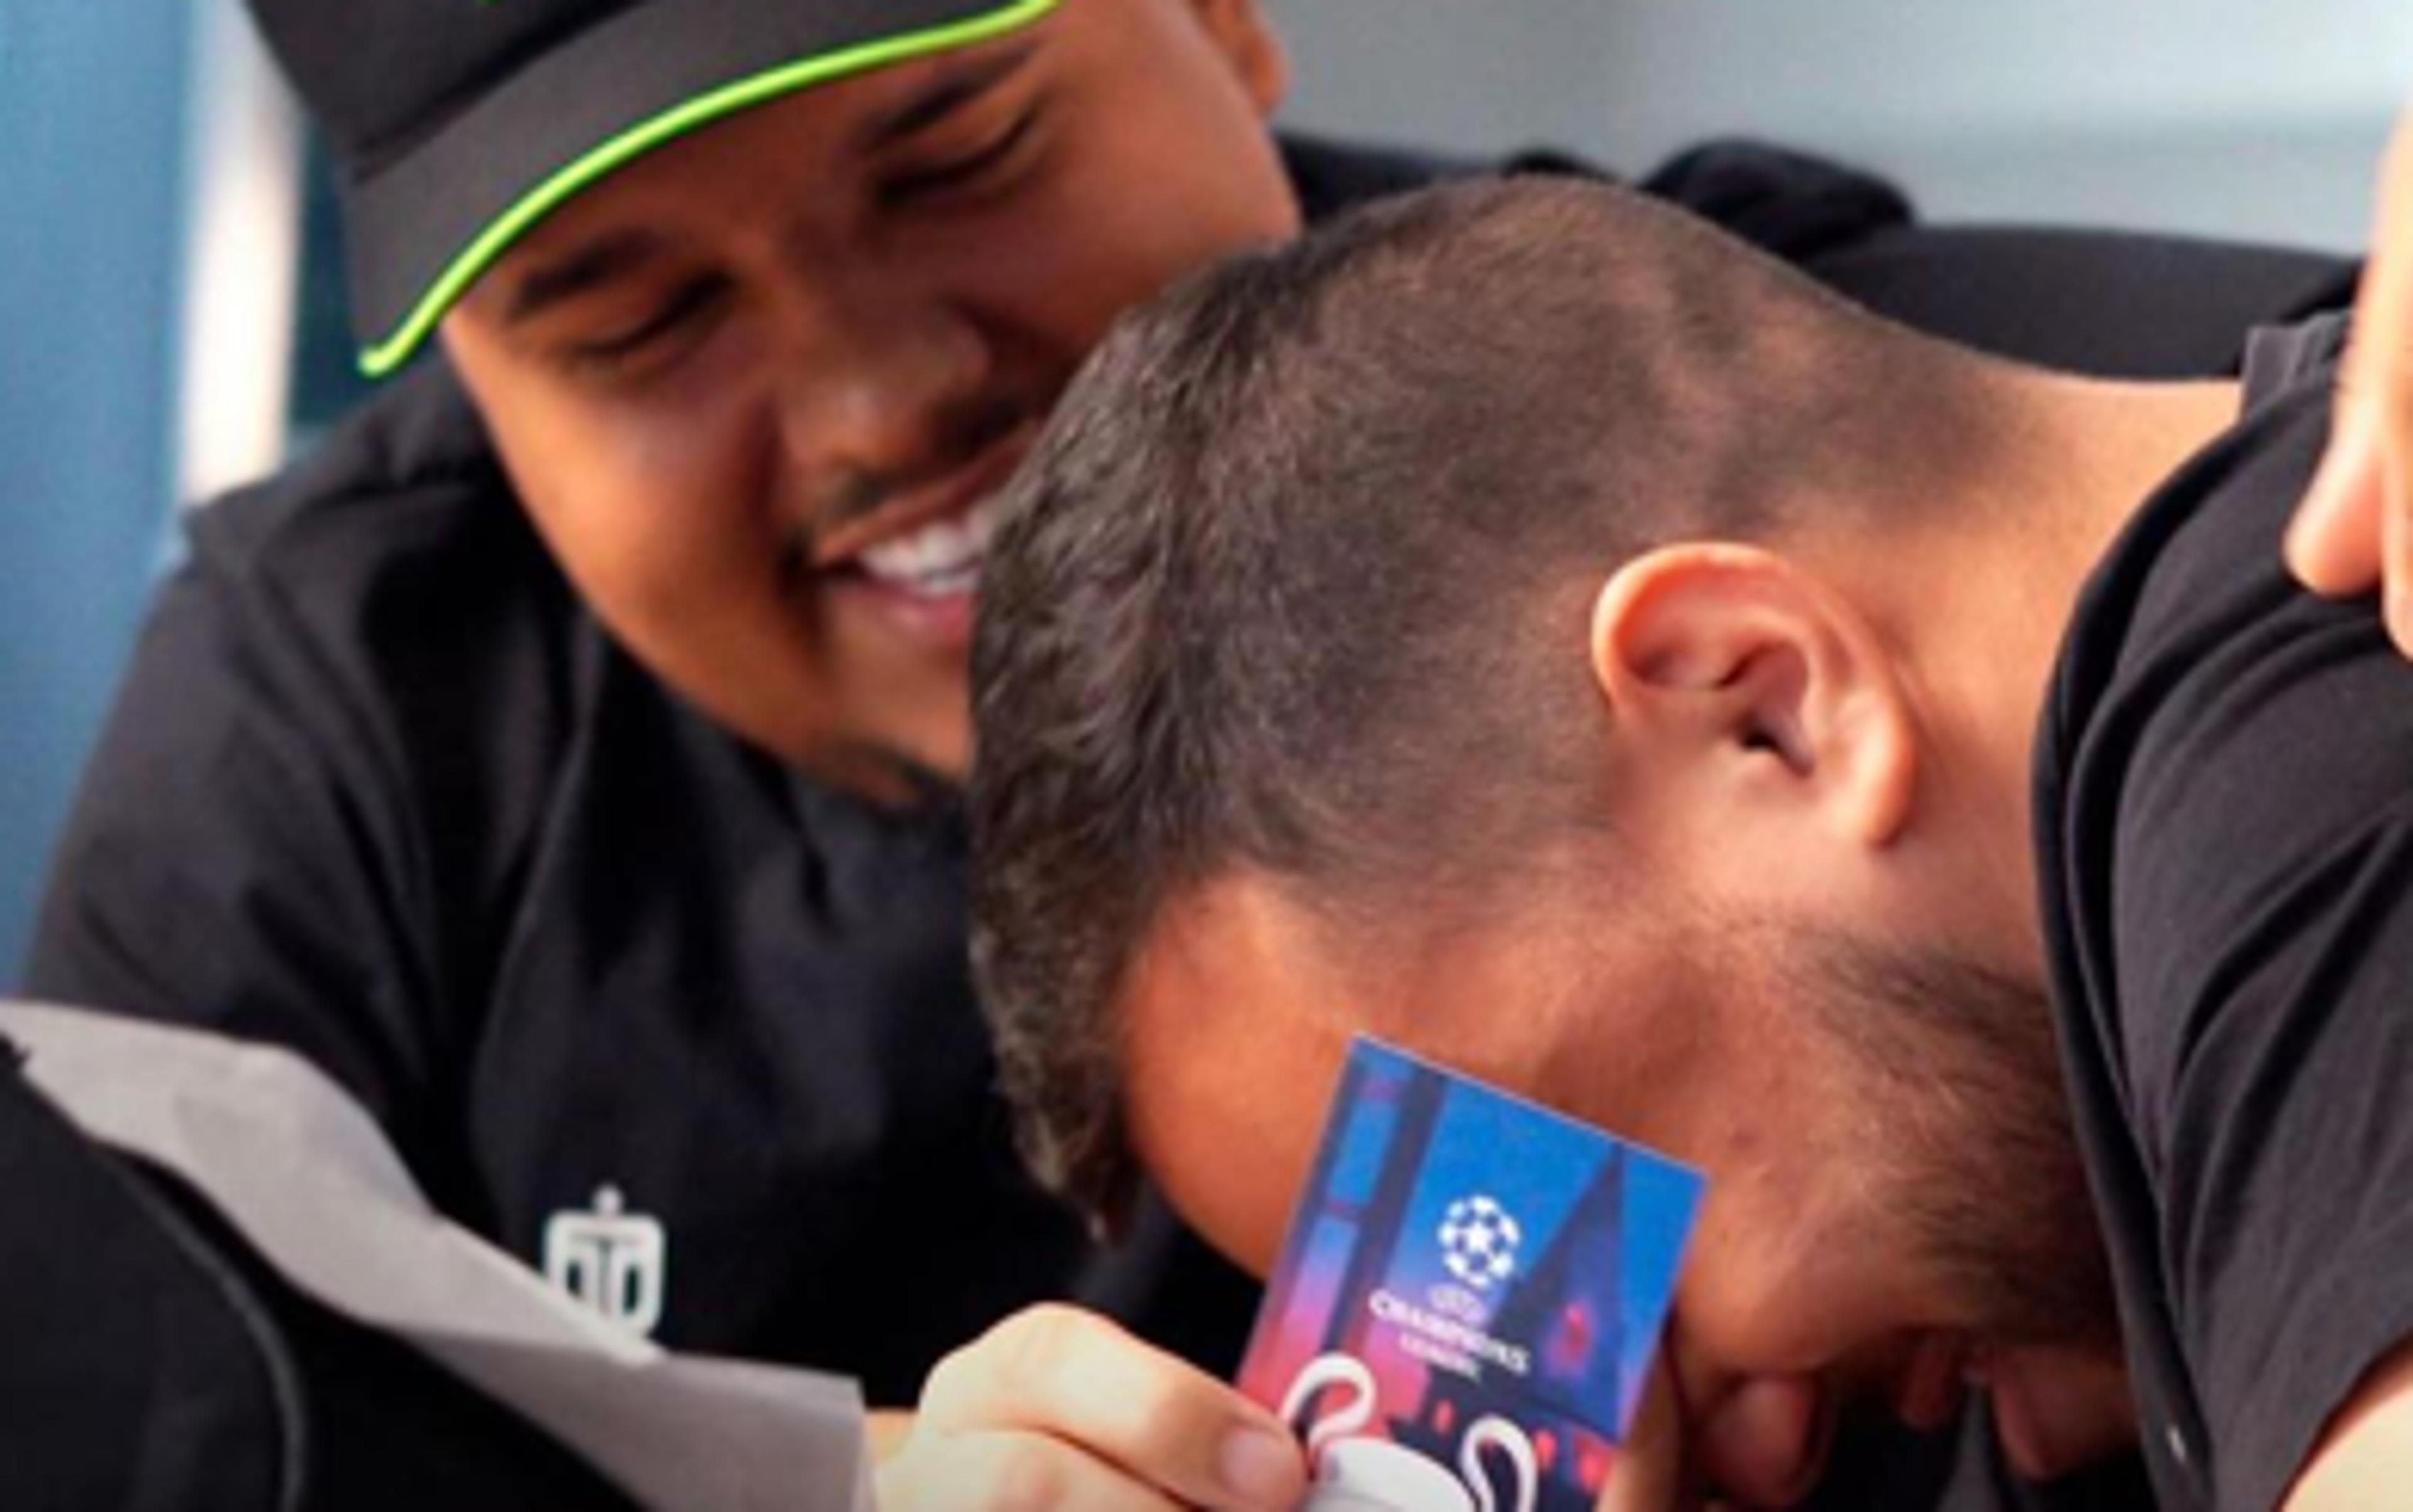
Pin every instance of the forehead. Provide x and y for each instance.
(1235, 1025)
(1239, 1007)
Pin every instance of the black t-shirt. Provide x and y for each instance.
(378, 788)
(2225, 819)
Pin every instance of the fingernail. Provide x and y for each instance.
(1261, 1469)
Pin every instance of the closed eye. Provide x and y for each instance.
(960, 172)
(687, 306)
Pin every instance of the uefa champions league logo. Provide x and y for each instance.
(1478, 1241)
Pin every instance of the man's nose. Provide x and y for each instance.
(1765, 1440)
(874, 374)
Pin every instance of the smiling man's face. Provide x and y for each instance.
(1893, 1202)
(757, 389)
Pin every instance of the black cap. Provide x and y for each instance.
(457, 124)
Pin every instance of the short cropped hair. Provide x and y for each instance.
(1299, 577)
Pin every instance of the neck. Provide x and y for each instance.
(1981, 614)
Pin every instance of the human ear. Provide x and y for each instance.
(1240, 31)
(1740, 668)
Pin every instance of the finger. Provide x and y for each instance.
(1004, 1472)
(2336, 542)
(2387, 310)
(1767, 1442)
(1076, 1377)
(2396, 512)
(1649, 1472)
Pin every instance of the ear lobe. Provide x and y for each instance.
(1247, 40)
(1747, 669)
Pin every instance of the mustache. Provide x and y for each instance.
(849, 494)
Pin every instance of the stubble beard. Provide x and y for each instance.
(1969, 1134)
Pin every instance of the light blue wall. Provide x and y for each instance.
(2230, 117)
(92, 101)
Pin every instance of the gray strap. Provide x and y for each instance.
(303, 1173)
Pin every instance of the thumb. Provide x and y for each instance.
(2340, 541)
(2334, 541)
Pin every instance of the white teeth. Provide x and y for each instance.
(941, 558)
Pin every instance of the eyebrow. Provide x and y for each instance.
(947, 94)
(592, 265)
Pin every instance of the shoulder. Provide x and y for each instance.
(2211, 727)
(2225, 810)
(2192, 600)
(405, 488)
(357, 686)
(389, 569)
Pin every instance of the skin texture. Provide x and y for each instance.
(2354, 531)
(817, 335)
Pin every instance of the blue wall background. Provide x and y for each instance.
(91, 110)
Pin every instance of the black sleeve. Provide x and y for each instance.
(239, 857)
(2262, 915)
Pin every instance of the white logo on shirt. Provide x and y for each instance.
(614, 1262)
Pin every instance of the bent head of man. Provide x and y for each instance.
(761, 303)
(1483, 625)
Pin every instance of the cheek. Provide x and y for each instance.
(653, 509)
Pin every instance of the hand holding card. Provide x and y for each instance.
(1464, 1315)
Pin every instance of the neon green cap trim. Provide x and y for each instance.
(480, 255)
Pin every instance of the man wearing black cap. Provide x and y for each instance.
(562, 757)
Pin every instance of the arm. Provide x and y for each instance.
(2355, 528)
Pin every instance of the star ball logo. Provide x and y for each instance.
(1478, 1241)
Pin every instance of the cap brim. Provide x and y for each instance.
(421, 231)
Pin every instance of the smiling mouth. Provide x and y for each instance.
(927, 544)
(940, 559)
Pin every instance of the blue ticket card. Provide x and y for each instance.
(1465, 1309)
